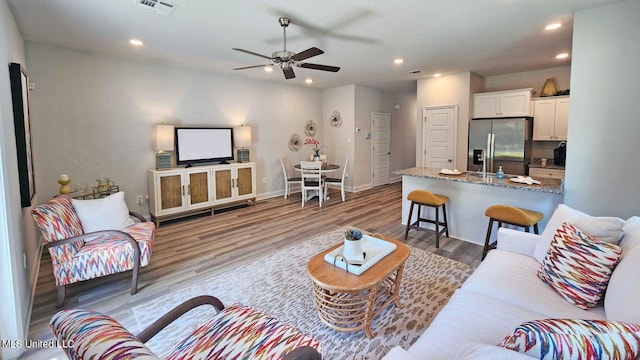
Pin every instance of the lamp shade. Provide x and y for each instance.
(164, 138)
(242, 136)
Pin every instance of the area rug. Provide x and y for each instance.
(278, 284)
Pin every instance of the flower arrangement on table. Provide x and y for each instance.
(352, 250)
(353, 234)
(315, 146)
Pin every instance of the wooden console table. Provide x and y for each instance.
(349, 302)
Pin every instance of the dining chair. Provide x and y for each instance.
(288, 179)
(312, 180)
(338, 181)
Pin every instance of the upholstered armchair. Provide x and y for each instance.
(108, 242)
(235, 332)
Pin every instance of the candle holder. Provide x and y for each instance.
(65, 189)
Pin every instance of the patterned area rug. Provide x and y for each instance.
(278, 284)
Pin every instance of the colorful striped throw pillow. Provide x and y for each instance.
(575, 339)
(578, 267)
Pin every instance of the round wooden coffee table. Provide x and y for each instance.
(349, 302)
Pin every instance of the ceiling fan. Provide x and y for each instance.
(287, 59)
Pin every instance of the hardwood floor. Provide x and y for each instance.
(187, 250)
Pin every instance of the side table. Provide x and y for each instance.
(349, 302)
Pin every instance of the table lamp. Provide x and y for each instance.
(242, 140)
(163, 143)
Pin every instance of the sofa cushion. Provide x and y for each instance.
(109, 213)
(623, 292)
(513, 278)
(575, 339)
(471, 351)
(469, 317)
(603, 228)
(578, 267)
(561, 214)
(631, 237)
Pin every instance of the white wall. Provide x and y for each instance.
(93, 116)
(340, 140)
(447, 90)
(403, 129)
(14, 278)
(603, 166)
(530, 79)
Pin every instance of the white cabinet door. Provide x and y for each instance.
(486, 105)
(516, 103)
(198, 183)
(544, 112)
(562, 118)
(550, 119)
(169, 192)
(510, 103)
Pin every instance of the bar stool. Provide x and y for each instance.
(505, 214)
(426, 198)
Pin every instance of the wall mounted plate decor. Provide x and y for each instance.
(335, 119)
(20, 98)
(311, 128)
(295, 144)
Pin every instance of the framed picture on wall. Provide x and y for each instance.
(21, 121)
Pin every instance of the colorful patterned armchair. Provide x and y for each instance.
(236, 332)
(77, 256)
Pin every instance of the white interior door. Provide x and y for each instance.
(439, 137)
(380, 147)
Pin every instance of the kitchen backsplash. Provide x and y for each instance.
(543, 149)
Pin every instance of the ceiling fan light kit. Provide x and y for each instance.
(287, 59)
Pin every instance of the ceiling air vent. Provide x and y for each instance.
(157, 6)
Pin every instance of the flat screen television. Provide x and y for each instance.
(203, 145)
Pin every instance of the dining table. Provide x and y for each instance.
(326, 168)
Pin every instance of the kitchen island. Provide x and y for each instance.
(470, 194)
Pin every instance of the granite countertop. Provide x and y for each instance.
(548, 185)
(550, 165)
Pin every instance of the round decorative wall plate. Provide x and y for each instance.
(295, 143)
(311, 128)
(335, 120)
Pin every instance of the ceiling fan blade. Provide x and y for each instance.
(252, 53)
(288, 73)
(310, 52)
(319, 67)
(251, 67)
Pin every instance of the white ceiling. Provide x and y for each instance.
(488, 37)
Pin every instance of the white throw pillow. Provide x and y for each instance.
(109, 213)
(562, 214)
(603, 228)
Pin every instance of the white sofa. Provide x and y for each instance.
(505, 291)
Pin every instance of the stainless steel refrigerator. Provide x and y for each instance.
(505, 141)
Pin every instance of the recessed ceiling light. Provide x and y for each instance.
(398, 61)
(308, 81)
(268, 68)
(437, 75)
(136, 42)
(553, 26)
(562, 56)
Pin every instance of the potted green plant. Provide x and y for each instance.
(353, 246)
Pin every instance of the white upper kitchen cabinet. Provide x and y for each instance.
(508, 103)
(550, 118)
